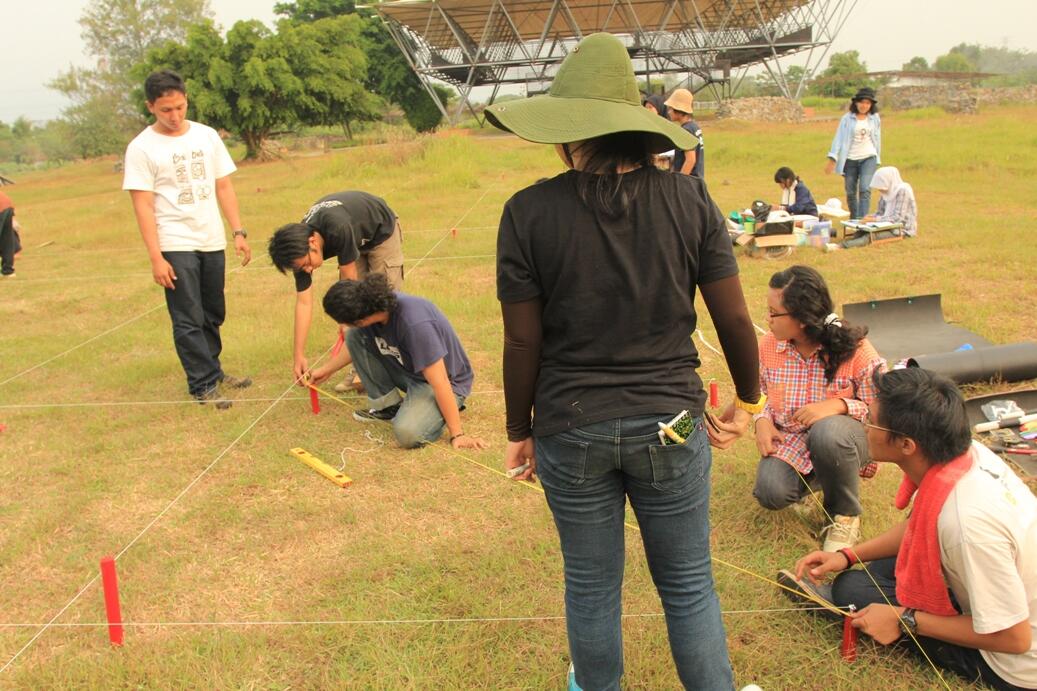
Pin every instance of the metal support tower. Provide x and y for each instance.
(711, 43)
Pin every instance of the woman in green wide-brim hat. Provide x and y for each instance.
(596, 273)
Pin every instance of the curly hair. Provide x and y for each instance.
(347, 302)
(806, 298)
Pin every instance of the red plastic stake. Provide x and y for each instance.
(111, 600)
(848, 648)
(338, 345)
(714, 395)
(314, 401)
(453, 232)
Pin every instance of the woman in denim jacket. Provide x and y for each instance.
(856, 150)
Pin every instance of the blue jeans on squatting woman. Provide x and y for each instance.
(418, 421)
(857, 177)
(587, 474)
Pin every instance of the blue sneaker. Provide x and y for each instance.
(573, 686)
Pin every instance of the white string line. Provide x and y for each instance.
(698, 332)
(454, 225)
(138, 275)
(439, 230)
(458, 256)
(186, 401)
(757, 327)
(94, 338)
(153, 521)
(379, 622)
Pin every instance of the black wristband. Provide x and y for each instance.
(456, 436)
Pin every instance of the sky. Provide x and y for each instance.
(887, 33)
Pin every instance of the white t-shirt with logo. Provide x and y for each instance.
(861, 147)
(988, 548)
(182, 172)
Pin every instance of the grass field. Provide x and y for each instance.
(241, 568)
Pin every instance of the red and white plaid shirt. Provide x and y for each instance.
(792, 381)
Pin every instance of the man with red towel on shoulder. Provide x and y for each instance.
(958, 578)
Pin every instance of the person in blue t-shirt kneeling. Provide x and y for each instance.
(402, 343)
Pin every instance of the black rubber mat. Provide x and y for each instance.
(1025, 399)
(905, 327)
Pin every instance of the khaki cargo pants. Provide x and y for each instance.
(385, 258)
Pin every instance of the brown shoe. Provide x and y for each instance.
(236, 382)
(213, 396)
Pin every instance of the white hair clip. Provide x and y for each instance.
(833, 318)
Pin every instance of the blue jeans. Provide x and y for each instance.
(197, 309)
(857, 177)
(418, 421)
(587, 474)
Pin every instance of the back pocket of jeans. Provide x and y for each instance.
(561, 460)
(676, 467)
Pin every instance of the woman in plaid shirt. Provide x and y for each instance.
(816, 372)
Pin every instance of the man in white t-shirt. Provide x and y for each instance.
(178, 175)
(969, 546)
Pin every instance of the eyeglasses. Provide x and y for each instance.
(775, 315)
(885, 429)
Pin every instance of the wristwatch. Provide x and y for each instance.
(241, 231)
(752, 408)
(908, 622)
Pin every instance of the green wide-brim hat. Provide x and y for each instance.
(593, 94)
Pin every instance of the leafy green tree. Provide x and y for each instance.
(257, 83)
(953, 62)
(389, 75)
(916, 64)
(843, 76)
(118, 34)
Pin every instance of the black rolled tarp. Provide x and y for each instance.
(904, 327)
(1013, 362)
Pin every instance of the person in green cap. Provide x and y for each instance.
(597, 270)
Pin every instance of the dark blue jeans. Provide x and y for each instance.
(857, 177)
(856, 588)
(587, 474)
(197, 309)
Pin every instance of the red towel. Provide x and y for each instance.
(920, 582)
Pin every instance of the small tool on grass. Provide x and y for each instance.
(321, 467)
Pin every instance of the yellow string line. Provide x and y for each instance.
(633, 526)
(864, 567)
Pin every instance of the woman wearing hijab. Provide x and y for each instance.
(857, 149)
(896, 200)
(596, 274)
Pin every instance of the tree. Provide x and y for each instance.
(118, 34)
(389, 75)
(953, 62)
(916, 64)
(844, 75)
(257, 82)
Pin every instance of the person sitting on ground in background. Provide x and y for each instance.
(400, 342)
(856, 150)
(795, 197)
(896, 200)
(9, 242)
(816, 371)
(680, 107)
(958, 578)
(357, 228)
